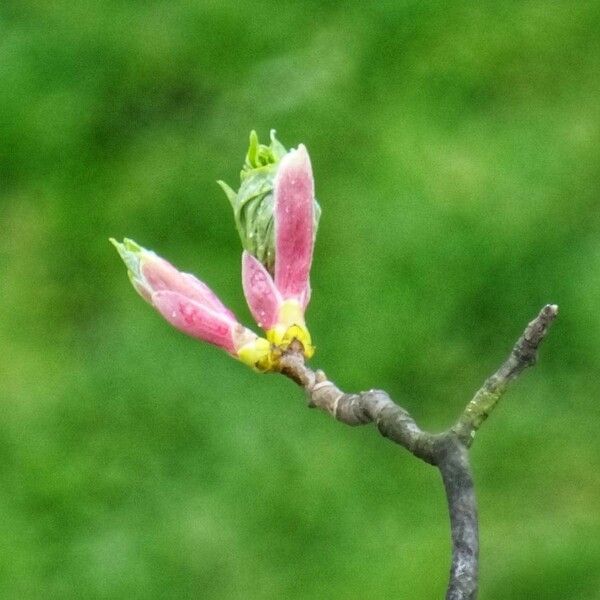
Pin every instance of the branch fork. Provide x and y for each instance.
(448, 451)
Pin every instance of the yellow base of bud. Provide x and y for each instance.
(263, 355)
(290, 327)
(259, 355)
(282, 336)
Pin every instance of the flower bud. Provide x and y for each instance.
(278, 303)
(192, 307)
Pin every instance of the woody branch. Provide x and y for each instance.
(448, 451)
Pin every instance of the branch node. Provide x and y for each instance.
(320, 376)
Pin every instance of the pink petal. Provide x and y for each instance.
(161, 275)
(294, 222)
(260, 291)
(196, 319)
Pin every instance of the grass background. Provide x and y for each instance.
(456, 153)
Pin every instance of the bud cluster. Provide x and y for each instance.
(276, 216)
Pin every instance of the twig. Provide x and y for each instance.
(523, 355)
(448, 450)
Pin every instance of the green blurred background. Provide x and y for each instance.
(456, 149)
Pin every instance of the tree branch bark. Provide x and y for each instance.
(448, 451)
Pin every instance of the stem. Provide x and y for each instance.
(453, 463)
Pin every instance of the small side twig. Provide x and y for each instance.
(448, 450)
(523, 355)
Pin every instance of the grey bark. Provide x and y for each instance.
(448, 451)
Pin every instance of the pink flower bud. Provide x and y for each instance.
(278, 304)
(191, 306)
